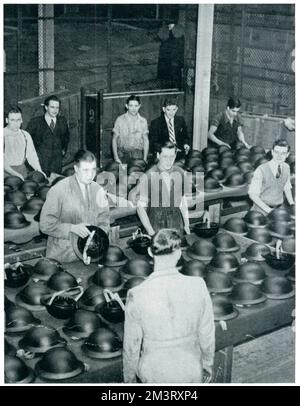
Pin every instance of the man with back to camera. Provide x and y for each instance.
(169, 127)
(226, 127)
(271, 180)
(130, 134)
(71, 205)
(50, 134)
(169, 330)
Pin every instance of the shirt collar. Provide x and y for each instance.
(130, 117)
(227, 118)
(48, 119)
(167, 119)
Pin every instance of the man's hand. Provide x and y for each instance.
(186, 148)
(118, 160)
(151, 232)
(247, 145)
(80, 230)
(187, 229)
(207, 376)
(226, 145)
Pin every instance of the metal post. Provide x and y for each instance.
(242, 51)
(202, 74)
(157, 11)
(19, 53)
(109, 55)
(46, 48)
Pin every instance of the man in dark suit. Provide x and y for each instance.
(169, 127)
(50, 135)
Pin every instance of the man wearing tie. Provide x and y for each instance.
(71, 205)
(50, 134)
(169, 127)
(271, 180)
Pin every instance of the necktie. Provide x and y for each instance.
(87, 196)
(278, 173)
(52, 125)
(171, 131)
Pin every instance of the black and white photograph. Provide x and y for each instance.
(149, 195)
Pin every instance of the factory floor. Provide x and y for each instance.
(267, 359)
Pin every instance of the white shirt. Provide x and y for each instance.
(172, 121)
(48, 119)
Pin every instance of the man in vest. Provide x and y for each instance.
(271, 180)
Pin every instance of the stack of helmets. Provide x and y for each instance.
(103, 343)
(224, 242)
(211, 165)
(223, 308)
(61, 281)
(211, 185)
(224, 262)
(48, 368)
(225, 163)
(217, 174)
(218, 282)
(32, 206)
(15, 221)
(46, 267)
(114, 257)
(136, 267)
(257, 252)
(30, 297)
(107, 278)
(260, 235)
(205, 230)
(29, 187)
(236, 225)
(231, 170)
(194, 268)
(251, 272)
(201, 249)
(14, 182)
(223, 148)
(226, 154)
(40, 339)
(17, 275)
(246, 294)
(209, 150)
(92, 296)
(255, 219)
(277, 287)
(82, 324)
(16, 371)
(18, 319)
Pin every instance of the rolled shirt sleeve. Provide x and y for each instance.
(31, 154)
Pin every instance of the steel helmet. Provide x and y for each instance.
(17, 275)
(18, 319)
(257, 252)
(279, 214)
(280, 229)
(133, 282)
(255, 219)
(140, 244)
(217, 174)
(245, 167)
(243, 151)
(292, 275)
(40, 339)
(235, 180)
(224, 262)
(277, 287)
(248, 176)
(14, 182)
(111, 311)
(46, 267)
(114, 256)
(137, 267)
(30, 297)
(61, 281)
(257, 150)
(247, 294)
(226, 162)
(10, 207)
(37, 177)
(92, 296)
(236, 225)
(211, 185)
(231, 170)
(225, 243)
(15, 221)
(32, 206)
(57, 364)
(223, 308)
(9, 349)
(42, 192)
(201, 249)
(250, 272)
(103, 343)
(29, 187)
(194, 268)
(284, 262)
(218, 282)
(82, 324)
(107, 278)
(260, 235)
(289, 245)
(16, 371)
(202, 230)
(97, 246)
